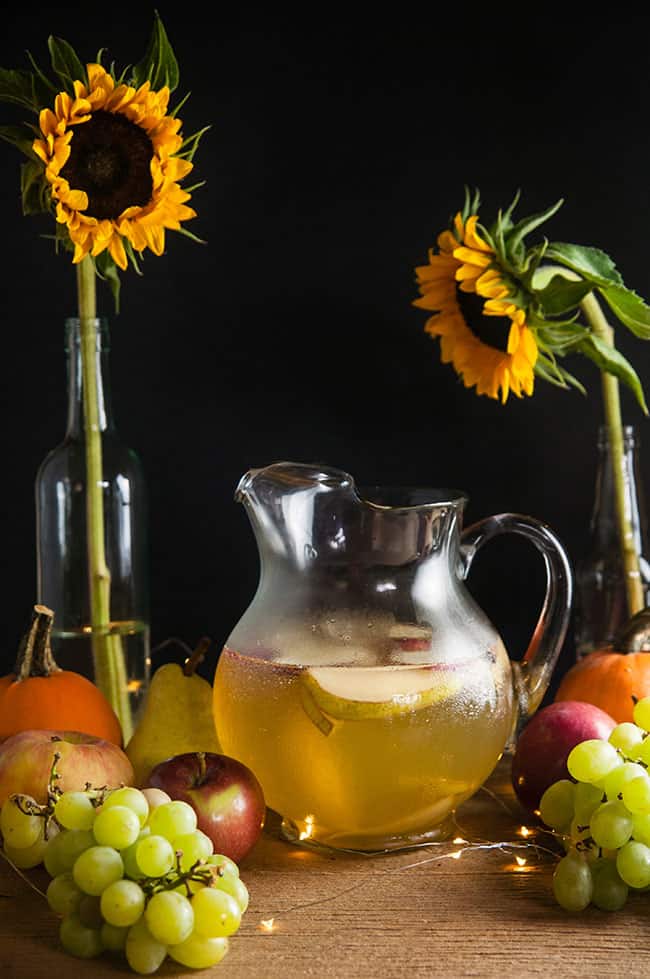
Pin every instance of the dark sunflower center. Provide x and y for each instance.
(490, 330)
(110, 160)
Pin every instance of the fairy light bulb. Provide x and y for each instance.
(307, 832)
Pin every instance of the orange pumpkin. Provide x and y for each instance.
(40, 696)
(610, 680)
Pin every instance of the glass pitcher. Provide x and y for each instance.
(363, 686)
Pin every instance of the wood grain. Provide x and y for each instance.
(417, 913)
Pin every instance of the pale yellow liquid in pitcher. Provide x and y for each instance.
(365, 775)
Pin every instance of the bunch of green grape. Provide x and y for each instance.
(603, 815)
(131, 874)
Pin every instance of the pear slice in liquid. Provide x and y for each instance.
(373, 692)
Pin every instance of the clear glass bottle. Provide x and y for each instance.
(61, 520)
(601, 602)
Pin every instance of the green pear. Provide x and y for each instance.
(176, 718)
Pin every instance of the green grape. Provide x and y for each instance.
(614, 782)
(581, 834)
(74, 810)
(90, 913)
(643, 751)
(173, 819)
(155, 798)
(169, 917)
(122, 903)
(221, 867)
(236, 888)
(194, 846)
(627, 737)
(78, 940)
(63, 895)
(611, 825)
(113, 938)
(130, 797)
(225, 865)
(633, 864)
(636, 794)
(216, 913)
(573, 884)
(53, 860)
(19, 830)
(143, 953)
(610, 892)
(26, 857)
(641, 827)
(74, 842)
(556, 806)
(641, 713)
(116, 826)
(95, 869)
(586, 800)
(155, 855)
(131, 867)
(592, 760)
(197, 952)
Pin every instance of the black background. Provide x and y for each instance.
(341, 142)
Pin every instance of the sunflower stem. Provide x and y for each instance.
(612, 406)
(108, 654)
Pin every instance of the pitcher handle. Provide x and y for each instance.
(533, 672)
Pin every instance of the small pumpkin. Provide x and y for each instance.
(39, 695)
(616, 677)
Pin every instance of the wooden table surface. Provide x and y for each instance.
(415, 914)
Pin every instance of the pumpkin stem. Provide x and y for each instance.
(197, 656)
(35, 652)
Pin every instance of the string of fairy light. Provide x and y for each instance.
(460, 846)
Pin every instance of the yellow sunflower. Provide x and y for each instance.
(482, 332)
(109, 155)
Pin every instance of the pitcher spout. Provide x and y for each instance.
(244, 485)
(269, 482)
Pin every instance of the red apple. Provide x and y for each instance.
(224, 793)
(545, 743)
(26, 762)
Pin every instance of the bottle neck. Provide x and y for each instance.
(604, 527)
(95, 341)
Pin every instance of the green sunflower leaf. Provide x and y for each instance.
(609, 359)
(66, 63)
(563, 338)
(591, 263)
(191, 144)
(107, 271)
(33, 188)
(629, 308)
(192, 236)
(547, 369)
(562, 295)
(17, 87)
(159, 65)
(22, 137)
(43, 90)
(515, 237)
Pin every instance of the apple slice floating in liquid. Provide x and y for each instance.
(373, 692)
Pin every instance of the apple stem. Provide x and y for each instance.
(53, 790)
(202, 766)
(191, 663)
